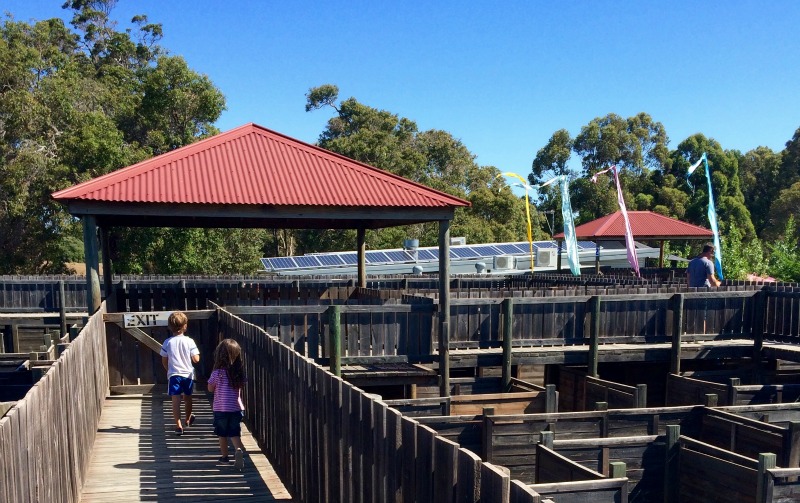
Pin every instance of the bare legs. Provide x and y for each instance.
(176, 409)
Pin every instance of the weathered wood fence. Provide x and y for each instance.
(46, 439)
(332, 442)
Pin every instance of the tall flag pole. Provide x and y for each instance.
(569, 223)
(712, 212)
(525, 185)
(629, 244)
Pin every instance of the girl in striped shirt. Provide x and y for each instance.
(226, 382)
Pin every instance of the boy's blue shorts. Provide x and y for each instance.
(227, 424)
(179, 385)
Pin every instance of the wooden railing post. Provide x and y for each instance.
(508, 312)
(641, 396)
(766, 461)
(617, 470)
(551, 399)
(335, 330)
(546, 438)
(487, 434)
(759, 308)
(672, 448)
(62, 308)
(677, 331)
(732, 392)
(594, 341)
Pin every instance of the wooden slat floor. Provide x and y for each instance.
(137, 457)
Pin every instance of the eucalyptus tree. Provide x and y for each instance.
(79, 103)
(728, 197)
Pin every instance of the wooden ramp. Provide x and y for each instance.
(137, 457)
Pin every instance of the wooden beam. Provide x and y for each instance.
(336, 339)
(142, 337)
(108, 285)
(508, 313)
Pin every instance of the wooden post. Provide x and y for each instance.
(641, 396)
(92, 257)
(558, 258)
(766, 461)
(551, 399)
(508, 312)
(732, 392)
(597, 257)
(617, 470)
(486, 431)
(601, 406)
(661, 254)
(62, 307)
(444, 307)
(671, 493)
(711, 400)
(108, 285)
(546, 438)
(336, 339)
(362, 257)
(793, 441)
(677, 330)
(594, 334)
(759, 309)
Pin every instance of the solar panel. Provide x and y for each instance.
(486, 250)
(277, 263)
(330, 260)
(349, 258)
(427, 254)
(399, 256)
(461, 252)
(507, 248)
(265, 264)
(546, 244)
(307, 261)
(376, 257)
(586, 245)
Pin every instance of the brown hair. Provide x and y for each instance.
(177, 322)
(228, 356)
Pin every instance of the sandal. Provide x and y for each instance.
(179, 431)
(191, 420)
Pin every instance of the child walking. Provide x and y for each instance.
(226, 382)
(179, 353)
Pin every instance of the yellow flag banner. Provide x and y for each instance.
(523, 183)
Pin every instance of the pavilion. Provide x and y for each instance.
(645, 226)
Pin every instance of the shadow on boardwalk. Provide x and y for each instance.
(137, 457)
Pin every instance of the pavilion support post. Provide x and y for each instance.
(661, 254)
(108, 285)
(444, 308)
(362, 257)
(92, 255)
(558, 257)
(597, 257)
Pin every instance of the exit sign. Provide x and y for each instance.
(156, 319)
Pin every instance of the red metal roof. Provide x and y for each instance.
(252, 165)
(644, 225)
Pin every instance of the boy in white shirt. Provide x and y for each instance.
(179, 353)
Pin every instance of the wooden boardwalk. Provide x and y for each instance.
(136, 457)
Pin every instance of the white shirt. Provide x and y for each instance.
(179, 350)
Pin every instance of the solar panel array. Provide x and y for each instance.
(463, 252)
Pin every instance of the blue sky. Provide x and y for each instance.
(500, 76)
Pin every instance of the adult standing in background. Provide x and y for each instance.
(700, 272)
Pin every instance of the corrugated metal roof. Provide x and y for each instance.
(252, 165)
(644, 225)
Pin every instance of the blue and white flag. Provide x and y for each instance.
(712, 212)
(569, 224)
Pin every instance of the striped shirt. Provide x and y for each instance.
(226, 397)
